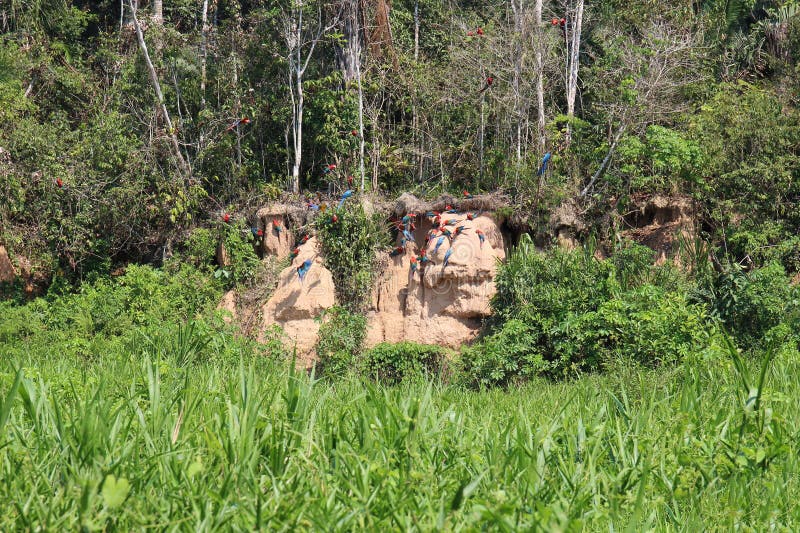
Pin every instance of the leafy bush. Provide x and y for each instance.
(750, 304)
(565, 312)
(393, 363)
(244, 262)
(349, 246)
(340, 338)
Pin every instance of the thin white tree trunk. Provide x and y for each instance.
(573, 63)
(360, 124)
(203, 54)
(539, 77)
(159, 95)
(158, 11)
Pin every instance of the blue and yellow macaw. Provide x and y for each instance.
(543, 167)
(303, 269)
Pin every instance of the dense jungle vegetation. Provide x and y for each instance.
(603, 394)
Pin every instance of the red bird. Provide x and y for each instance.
(354, 133)
(554, 22)
(304, 239)
(226, 217)
(466, 194)
(260, 233)
(294, 254)
(243, 121)
(489, 82)
(331, 167)
(470, 216)
(479, 31)
(59, 183)
(334, 219)
(350, 180)
(277, 225)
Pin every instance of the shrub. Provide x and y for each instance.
(349, 246)
(340, 338)
(243, 259)
(393, 363)
(564, 312)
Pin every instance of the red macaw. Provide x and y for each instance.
(458, 231)
(489, 82)
(397, 251)
(413, 264)
(244, 120)
(334, 219)
(354, 133)
(226, 217)
(277, 225)
(466, 194)
(59, 183)
(479, 31)
(423, 256)
(481, 236)
(304, 239)
(294, 254)
(350, 180)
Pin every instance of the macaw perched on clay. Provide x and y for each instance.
(458, 231)
(438, 244)
(447, 255)
(451, 211)
(397, 251)
(481, 236)
(347, 194)
(446, 233)
(257, 232)
(276, 224)
(408, 219)
(303, 269)
(423, 257)
(467, 195)
(431, 234)
(413, 264)
(304, 239)
(407, 235)
(543, 167)
(294, 254)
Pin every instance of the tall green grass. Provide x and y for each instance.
(158, 440)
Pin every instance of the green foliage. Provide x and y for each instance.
(341, 336)
(393, 363)
(349, 246)
(238, 243)
(751, 304)
(560, 312)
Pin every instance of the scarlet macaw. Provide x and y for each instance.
(447, 255)
(350, 180)
(302, 270)
(479, 31)
(294, 254)
(543, 167)
(489, 82)
(413, 264)
(354, 133)
(481, 236)
(243, 120)
(347, 194)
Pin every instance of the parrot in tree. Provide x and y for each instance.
(243, 121)
(354, 133)
(334, 219)
(543, 167)
(438, 244)
(489, 82)
(277, 225)
(350, 181)
(447, 255)
(304, 239)
(323, 207)
(226, 217)
(413, 264)
(303, 269)
(347, 194)
(481, 236)
(59, 183)
(467, 195)
(294, 254)
(479, 31)
(328, 168)
(397, 251)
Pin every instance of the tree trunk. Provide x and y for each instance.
(540, 78)
(182, 165)
(203, 54)
(574, 38)
(158, 11)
